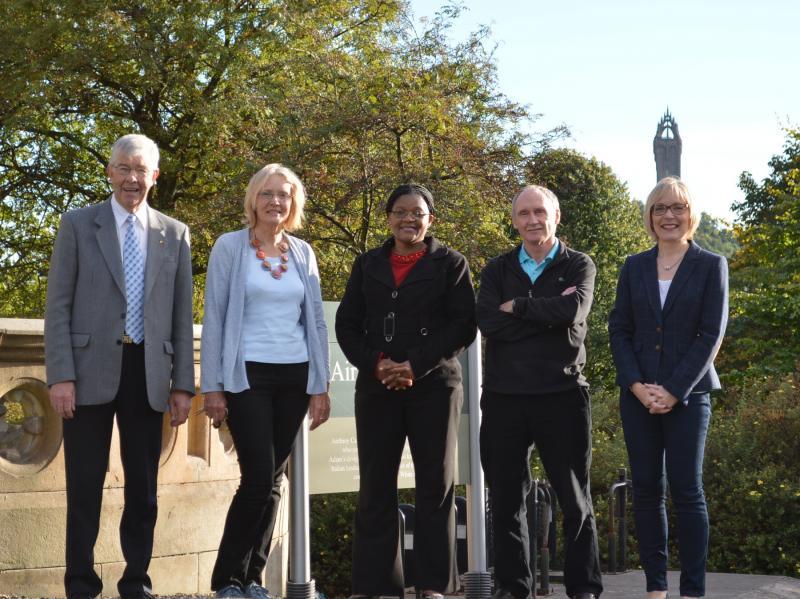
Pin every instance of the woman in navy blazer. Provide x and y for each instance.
(666, 328)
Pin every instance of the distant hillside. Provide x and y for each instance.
(715, 234)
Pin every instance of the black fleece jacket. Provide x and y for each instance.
(539, 348)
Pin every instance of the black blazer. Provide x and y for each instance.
(428, 320)
(674, 346)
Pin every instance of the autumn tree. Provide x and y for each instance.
(764, 327)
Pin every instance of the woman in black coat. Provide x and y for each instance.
(407, 312)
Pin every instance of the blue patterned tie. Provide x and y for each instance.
(133, 262)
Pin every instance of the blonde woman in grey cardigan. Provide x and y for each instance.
(264, 363)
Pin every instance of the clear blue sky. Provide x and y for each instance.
(608, 69)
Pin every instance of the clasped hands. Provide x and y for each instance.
(654, 397)
(216, 408)
(396, 376)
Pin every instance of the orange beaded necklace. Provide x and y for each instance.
(282, 261)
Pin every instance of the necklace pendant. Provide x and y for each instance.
(276, 274)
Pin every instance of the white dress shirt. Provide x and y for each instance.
(120, 216)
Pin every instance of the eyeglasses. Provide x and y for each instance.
(676, 209)
(125, 170)
(402, 214)
(270, 195)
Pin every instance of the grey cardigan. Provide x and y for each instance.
(222, 359)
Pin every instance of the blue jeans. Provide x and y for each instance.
(677, 440)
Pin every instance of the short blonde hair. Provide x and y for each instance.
(295, 219)
(670, 186)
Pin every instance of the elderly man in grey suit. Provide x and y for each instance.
(118, 343)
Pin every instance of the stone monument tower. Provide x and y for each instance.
(667, 148)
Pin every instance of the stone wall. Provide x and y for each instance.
(197, 477)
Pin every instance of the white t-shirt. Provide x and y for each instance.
(273, 332)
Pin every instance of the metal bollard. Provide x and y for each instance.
(461, 534)
(618, 535)
(407, 512)
(478, 581)
(300, 584)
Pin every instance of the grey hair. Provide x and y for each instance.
(546, 193)
(135, 144)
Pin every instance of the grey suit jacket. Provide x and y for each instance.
(85, 312)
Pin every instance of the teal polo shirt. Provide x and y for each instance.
(532, 268)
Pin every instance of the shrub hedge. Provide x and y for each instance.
(752, 481)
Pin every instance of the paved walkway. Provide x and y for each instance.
(630, 585)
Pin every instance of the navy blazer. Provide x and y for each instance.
(673, 346)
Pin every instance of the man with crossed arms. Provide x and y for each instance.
(532, 308)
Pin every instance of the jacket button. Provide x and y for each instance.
(658, 329)
(658, 348)
(423, 331)
(394, 294)
(119, 341)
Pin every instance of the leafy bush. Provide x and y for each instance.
(332, 542)
(752, 478)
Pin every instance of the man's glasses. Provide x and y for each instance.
(125, 170)
(676, 209)
(402, 214)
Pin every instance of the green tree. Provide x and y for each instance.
(599, 218)
(763, 333)
(346, 93)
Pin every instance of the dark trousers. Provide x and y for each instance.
(383, 422)
(264, 421)
(676, 439)
(87, 441)
(560, 424)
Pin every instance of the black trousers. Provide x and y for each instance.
(87, 441)
(560, 424)
(264, 421)
(383, 421)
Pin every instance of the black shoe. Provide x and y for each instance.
(503, 594)
(585, 596)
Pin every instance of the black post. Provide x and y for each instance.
(617, 504)
(533, 531)
(622, 475)
(545, 514)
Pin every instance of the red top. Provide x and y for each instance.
(402, 265)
